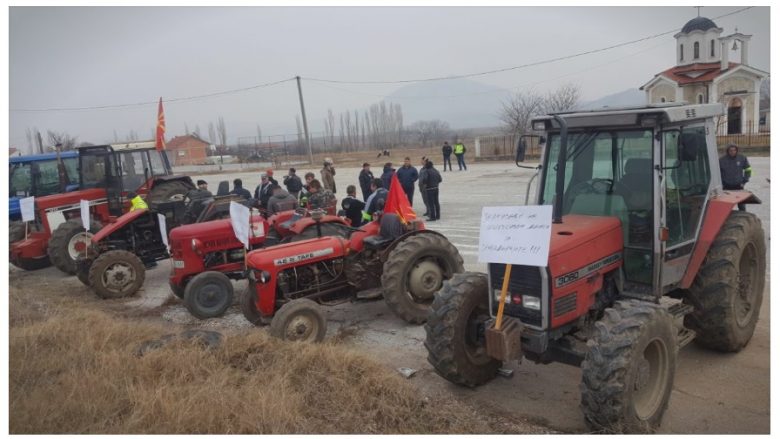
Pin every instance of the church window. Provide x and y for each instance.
(696, 50)
(712, 48)
(700, 98)
(681, 53)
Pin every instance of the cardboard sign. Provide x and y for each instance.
(163, 229)
(85, 214)
(517, 235)
(239, 219)
(27, 205)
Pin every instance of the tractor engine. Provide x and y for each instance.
(312, 280)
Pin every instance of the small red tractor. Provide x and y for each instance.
(106, 174)
(288, 282)
(647, 253)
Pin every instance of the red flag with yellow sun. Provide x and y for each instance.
(397, 202)
(160, 137)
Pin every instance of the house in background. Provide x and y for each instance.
(703, 74)
(187, 150)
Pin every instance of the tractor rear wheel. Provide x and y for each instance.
(629, 367)
(116, 274)
(729, 287)
(299, 320)
(248, 303)
(168, 191)
(414, 272)
(454, 333)
(68, 242)
(16, 231)
(177, 290)
(209, 294)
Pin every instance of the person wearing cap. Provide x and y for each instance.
(281, 200)
(201, 192)
(293, 183)
(327, 172)
(136, 202)
(263, 190)
(365, 178)
(238, 189)
(735, 170)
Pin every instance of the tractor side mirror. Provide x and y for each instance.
(687, 147)
(520, 153)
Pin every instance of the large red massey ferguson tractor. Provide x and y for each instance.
(288, 282)
(106, 173)
(647, 252)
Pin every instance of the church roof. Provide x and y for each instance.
(698, 23)
(699, 72)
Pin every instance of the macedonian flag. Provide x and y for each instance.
(397, 202)
(160, 137)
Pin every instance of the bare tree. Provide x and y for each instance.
(429, 130)
(259, 134)
(564, 98)
(197, 132)
(516, 113)
(330, 127)
(222, 132)
(29, 135)
(186, 129)
(212, 134)
(67, 141)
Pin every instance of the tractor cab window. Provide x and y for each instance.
(135, 168)
(47, 178)
(609, 173)
(94, 170)
(156, 160)
(72, 168)
(21, 180)
(687, 183)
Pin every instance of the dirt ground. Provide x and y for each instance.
(713, 393)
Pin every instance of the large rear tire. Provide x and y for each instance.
(208, 295)
(454, 333)
(728, 289)
(299, 320)
(68, 242)
(629, 367)
(116, 274)
(414, 272)
(16, 231)
(168, 191)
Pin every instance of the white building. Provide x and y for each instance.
(703, 74)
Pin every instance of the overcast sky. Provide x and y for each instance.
(102, 56)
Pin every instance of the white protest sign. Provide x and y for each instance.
(85, 214)
(517, 235)
(163, 229)
(239, 219)
(27, 206)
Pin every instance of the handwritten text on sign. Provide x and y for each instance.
(515, 235)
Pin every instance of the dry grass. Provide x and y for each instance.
(74, 369)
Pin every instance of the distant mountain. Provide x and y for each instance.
(460, 102)
(625, 98)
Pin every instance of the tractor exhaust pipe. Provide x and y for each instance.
(561, 171)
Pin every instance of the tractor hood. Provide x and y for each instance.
(216, 229)
(121, 222)
(305, 252)
(577, 230)
(70, 200)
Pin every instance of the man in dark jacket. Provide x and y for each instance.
(365, 178)
(735, 170)
(263, 191)
(293, 183)
(238, 189)
(375, 202)
(432, 180)
(387, 175)
(353, 208)
(446, 151)
(281, 200)
(407, 175)
(421, 184)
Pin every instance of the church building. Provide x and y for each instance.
(704, 74)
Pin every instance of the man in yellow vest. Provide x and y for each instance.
(460, 151)
(136, 202)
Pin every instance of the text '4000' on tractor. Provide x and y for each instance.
(646, 253)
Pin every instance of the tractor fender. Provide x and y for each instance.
(167, 178)
(401, 238)
(120, 223)
(305, 222)
(717, 212)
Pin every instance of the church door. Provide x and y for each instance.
(735, 116)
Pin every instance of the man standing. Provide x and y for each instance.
(327, 172)
(281, 200)
(446, 151)
(365, 178)
(407, 175)
(735, 170)
(293, 183)
(263, 191)
(432, 180)
(460, 152)
(387, 175)
(421, 184)
(238, 189)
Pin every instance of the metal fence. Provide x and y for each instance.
(504, 146)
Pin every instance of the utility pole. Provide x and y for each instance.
(40, 143)
(305, 124)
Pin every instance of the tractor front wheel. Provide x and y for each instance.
(728, 289)
(248, 303)
(455, 331)
(414, 272)
(209, 294)
(629, 367)
(16, 231)
(68, 242)
(116, 274)
(299, 320)
(31, 264)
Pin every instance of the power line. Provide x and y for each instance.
(523, 66)
(139, 104)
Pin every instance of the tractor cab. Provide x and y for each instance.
(648, 167)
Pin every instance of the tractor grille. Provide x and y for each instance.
(565, 304)
(524, 280)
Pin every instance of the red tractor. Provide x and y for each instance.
(106, 174)
(288, 282)
(646, 254)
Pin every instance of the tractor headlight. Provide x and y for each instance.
(532, 302)
(497, 296)
(265, 277)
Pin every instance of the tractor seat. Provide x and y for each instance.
(390, 229)
(376, 242)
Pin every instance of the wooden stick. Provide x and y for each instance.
(504, 288)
